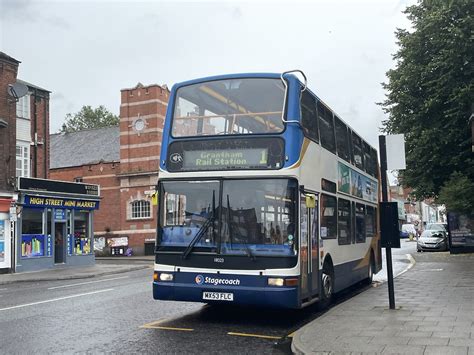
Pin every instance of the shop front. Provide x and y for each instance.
(6, 222)
(55, 224)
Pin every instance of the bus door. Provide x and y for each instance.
(308, 245)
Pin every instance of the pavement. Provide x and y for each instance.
(434, 314)
(103, 266)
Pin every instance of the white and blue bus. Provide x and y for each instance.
(266, 196)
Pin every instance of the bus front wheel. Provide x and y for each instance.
(327, 286)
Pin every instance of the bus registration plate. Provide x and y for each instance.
(218, 296)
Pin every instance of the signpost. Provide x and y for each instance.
(392, 148)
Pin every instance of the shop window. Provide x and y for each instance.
(360, 223)
(141, 209)
(33, 241)
(81, 243)
(328, 217)
(344, 222)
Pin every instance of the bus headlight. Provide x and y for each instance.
(273, 281)
(162, 276)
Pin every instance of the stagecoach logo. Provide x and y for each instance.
(214, 281)
(199, 279)
(176, 158)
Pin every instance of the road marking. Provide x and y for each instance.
(156, 325)
(88, 282)
(291, 335)
(56, 299)
(254, 335)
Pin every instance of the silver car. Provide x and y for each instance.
(434, 237)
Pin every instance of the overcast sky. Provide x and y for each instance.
(84, 52)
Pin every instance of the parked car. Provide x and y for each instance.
(407, 230)
(434, 237)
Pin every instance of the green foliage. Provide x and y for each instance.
(430, 93)
(88, 118)
(457, 194)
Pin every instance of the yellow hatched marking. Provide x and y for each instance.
(254, 335)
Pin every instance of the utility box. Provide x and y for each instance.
(389, 232)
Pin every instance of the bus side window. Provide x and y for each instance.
(326, 128)
(373, 157)
(342, 140)
(360, 223)
(309, 119)
(369, 222)
(367, 158)
(343, 222)
(328, 217)
(357, 156)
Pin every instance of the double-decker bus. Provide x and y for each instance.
(266, 196)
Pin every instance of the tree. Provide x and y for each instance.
(458, 194)
(88, 118)
(430, 93)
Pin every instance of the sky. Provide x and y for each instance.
(85, 52)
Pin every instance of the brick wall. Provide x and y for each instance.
(108, 217)
(8, 74)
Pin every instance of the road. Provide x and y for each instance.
(116, 313)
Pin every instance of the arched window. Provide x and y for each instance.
(140, 209)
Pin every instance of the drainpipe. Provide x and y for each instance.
(35, 136)
(45, 139)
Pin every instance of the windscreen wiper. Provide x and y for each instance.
(198, 236)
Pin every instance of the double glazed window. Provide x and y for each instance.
(23, 160)
(140, 209)
(23, 107)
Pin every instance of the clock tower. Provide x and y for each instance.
(142, 116)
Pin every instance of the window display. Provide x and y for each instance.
(81, 244)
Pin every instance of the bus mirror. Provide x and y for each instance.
(310, 201)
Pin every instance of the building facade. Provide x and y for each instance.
(124, 161)
(8, 75)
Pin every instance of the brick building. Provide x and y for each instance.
(124, 161)
(24, 147)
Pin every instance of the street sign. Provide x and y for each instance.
(395, 144)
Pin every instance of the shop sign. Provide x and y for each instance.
(59, 214)
(35, 201)
(117, 242)
(33, 184)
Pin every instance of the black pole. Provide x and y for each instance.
(388, 251)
